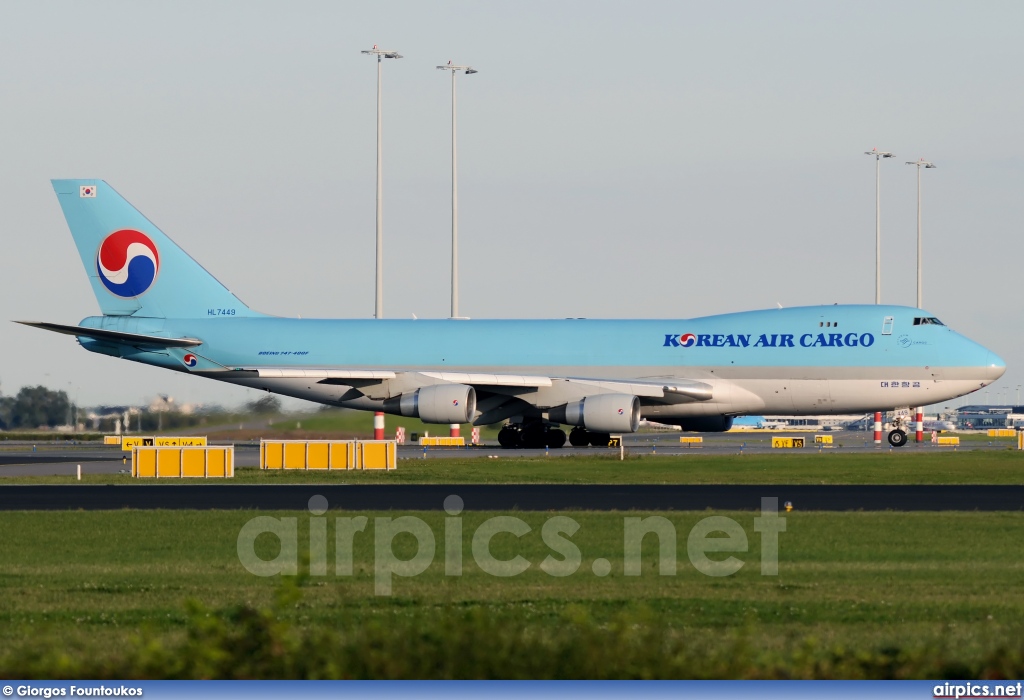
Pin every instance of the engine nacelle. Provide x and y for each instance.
(601, 413)
(438, 403)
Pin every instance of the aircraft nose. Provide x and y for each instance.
(996, 364)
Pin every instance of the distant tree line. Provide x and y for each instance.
(263, 405)
(38, 407)
(35, 407)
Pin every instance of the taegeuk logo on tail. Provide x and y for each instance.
(128, 263)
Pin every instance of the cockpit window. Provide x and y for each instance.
(927, 321)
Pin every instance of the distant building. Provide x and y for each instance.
(982, 417)
(823, 422)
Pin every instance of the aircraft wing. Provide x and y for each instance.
(382, 383)
(669, 391)
(499, 393)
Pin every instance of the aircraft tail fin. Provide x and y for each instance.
(134, 268)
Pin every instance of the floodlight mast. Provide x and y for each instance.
(920, 163)
(379, 296)
(878, 221)
(468, 70)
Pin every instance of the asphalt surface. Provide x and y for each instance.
(24, 459)
(62, 460)
(529, 497)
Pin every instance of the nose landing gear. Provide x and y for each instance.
(897, 436)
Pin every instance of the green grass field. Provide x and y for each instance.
(160, 593)
(360, 423)
(875, 595)
(810, 467)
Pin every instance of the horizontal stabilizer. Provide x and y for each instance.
(115, 336)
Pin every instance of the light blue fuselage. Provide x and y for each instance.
(827, 359)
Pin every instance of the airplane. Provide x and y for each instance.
(596, 377)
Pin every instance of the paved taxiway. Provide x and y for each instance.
(525, 497)
(62, 459)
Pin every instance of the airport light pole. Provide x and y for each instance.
(920, 163)
(878, 220)
(468, 70)
(378, 309)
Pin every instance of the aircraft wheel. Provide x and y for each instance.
(600, 439)
(578, 437)
(509, 438)
(534, 436)
(556, 438)
(897, 438)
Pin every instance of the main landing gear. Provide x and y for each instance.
(581, 437)
(532, 436)
(538, 435)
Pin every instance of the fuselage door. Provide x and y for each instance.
(887, 325)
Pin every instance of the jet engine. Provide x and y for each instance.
(601, 413)
(438, 403)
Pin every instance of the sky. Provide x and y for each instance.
(616, 160)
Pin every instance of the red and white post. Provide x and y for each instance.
(453, 430)
(378, 425)
(919, 419)
(878, 427)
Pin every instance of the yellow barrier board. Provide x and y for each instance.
(193, 463)
(342, 455)
(143, 463)
(377, 454)
(823, 439)
(327, 455)
(1020, 439)
(127, 443)
(318, 455)
(111, 439)
(201, 462)
(948, 441)
(1002, 432)
(295, 455)
(787, 442)
(691, 439)
(442, 442)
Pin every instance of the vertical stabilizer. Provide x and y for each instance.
(133, 267)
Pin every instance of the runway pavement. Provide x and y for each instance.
(529, 497)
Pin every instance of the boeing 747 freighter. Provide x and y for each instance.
(598, 377)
